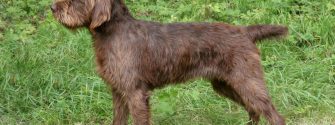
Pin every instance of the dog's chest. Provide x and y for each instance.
(105, 60)
(103, 64)
(113, 63)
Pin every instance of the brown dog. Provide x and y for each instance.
(135, 57)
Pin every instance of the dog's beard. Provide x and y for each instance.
(71, 22)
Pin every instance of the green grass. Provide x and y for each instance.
(47, 73)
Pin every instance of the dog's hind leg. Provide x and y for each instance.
(246, 79)
(121, 111)
(255, 98)
(222, 88)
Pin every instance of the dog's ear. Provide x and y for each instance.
(101, 13)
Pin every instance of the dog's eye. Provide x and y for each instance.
(69, 2)
(77, 2)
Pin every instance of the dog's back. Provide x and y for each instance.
(176, 52)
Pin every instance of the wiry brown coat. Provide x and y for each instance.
(135, 57)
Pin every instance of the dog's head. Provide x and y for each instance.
(80, 13)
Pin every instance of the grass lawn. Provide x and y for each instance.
(47, 73)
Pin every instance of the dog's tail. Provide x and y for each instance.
(260, 32)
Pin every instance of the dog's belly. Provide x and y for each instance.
(171, 71)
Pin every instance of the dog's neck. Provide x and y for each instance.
(119, 14)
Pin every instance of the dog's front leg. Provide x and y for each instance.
(138, 102)
(121, 111)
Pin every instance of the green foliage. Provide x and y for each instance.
(47, 72)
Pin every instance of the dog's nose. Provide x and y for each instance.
(53, 8)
